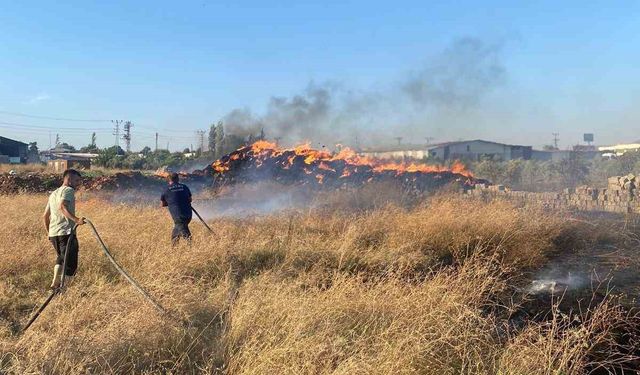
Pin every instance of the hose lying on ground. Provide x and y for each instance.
(123, 272)
(113, 262)
(202, 220)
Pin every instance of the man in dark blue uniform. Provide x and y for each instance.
(177, 197)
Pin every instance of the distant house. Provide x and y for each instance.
(477, 150)
(61, 161)
(12, 151)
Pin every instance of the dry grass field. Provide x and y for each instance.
(319, 291)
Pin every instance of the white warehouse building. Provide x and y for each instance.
(469, 150)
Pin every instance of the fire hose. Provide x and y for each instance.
(201, 219)
(107, 253)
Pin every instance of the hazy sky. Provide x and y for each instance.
(509, 71)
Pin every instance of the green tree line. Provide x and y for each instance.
(535, 175)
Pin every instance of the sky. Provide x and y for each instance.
(348, 71)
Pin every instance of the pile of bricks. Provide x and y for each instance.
(621, 195)
(623, 183)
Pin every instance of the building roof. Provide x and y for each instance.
(426, 147)
(73, 155)
(437, 145)
(12, 140)
(405, 147)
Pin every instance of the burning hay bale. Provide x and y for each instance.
(303, 165)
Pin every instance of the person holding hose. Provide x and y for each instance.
(177, 197)
(59, 220)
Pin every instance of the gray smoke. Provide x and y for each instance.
(445, 87)
(458, 78)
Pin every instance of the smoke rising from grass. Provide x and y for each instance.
(446, 86)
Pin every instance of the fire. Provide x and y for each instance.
(264, 160)
(347, 160)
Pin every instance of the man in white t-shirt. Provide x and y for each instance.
(59, 219)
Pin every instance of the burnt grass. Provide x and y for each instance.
(594, 264)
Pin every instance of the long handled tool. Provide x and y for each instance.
(201, 219)
(113, 262)
(58, 289)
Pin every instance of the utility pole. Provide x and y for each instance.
(57, 139)
(399, 139)
(156, 141)
(116, 130)
(127, 135)
(555, 140)
(429, 140)
(200, 139)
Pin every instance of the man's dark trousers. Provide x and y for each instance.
(180, 230)
(60, 244)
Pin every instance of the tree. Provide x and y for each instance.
(91, 147)
(66, 146)
(212, 140)
(220, 141)
(186, 150)
(146, 150)
(33, 148)
(233, 142)
(513, 172)
(491, 170)
(549, 148)
(110, 157)
(32, 153)
(573, 170)
(628, 161)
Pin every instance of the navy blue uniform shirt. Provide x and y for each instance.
(178, 198)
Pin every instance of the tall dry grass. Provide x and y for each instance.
(385, 291)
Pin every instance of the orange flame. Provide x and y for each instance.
(322, 159)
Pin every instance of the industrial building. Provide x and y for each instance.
(12, 151)
(477, 150)
(461, 150)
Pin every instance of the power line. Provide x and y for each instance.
(72, 119)
(51, 118)
(44, 127)
(28, 128)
